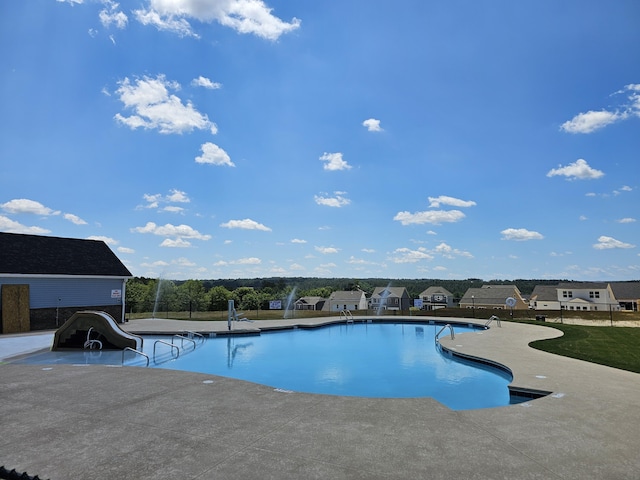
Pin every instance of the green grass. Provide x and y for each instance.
(617, 347)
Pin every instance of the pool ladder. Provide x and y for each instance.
(491, 319)
(172, 345)
(347, 316)
(444, 327)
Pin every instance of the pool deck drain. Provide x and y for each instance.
(135, 423)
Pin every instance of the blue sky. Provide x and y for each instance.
(338, 138)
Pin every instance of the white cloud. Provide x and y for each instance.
(125, 250)
(175, 243)
(626, 188)
(74, 219)
(334, 161)
(297, 240)
(167, 23)
(520, 234)
(435, 202)
(605, 243)
(368, 250)
(169, 230)
(240, 261)
(206, 83)
(448, 251)
(174, 196)
(406, 255)
(338, 200)
(327, 250)
(627, 220)
(24, 205)
(591, 121)
(177, 196)
(246, 224)
(101, 238)
(155, 107)
(580, 169)
(71, 2)
(594, 120)
(435, 217)
(244, 16)
(111, 15)
(11, 226)
(214, 155)
(372, 125)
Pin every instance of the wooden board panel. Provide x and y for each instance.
(15, 309)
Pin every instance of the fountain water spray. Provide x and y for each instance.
(290, 299)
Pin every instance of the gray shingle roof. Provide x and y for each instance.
(40, 255)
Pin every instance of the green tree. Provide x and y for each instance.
(218, 298)
(251, 301)
(191, 295)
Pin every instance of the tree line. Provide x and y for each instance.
(148, 295)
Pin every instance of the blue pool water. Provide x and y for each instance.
(364, 359)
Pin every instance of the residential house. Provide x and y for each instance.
(45, 280)
(389, 298)
(309, 303)
(586, 296)
(627, 294)
(493, 296)
(346, 300)
(544, 297)
(436, 297)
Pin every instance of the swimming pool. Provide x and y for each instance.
(383, 360)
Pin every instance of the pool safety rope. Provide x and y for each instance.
(13, 475)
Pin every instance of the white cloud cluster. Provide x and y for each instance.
(373, 125)
(178, 235)
(435, 217)
(337, 200)
(212, 154)
(435, 202)
(19, 206)
(174, 196)
(579, 169)
(240, 261)
(606, 243)
(593, 120)
(327, 250)
(334, 161)
(244, 16)
(205, 83)
(11, 226)
(407, 255)
(520, 234)
(112, 15)
(155, 107)
(246, 224)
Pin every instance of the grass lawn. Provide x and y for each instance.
(617, 347)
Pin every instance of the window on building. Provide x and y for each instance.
(594, 294)
(567, 294)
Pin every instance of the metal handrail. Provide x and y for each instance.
(347, 315)
(182, 339)
(491, 319)
(448, 325)
(135, 351)
(166, 343)
(196, 334)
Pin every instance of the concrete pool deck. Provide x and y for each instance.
(98, 422)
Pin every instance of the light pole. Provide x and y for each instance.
(473, 301)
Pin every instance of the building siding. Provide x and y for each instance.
(69, 292)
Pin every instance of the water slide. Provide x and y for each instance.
(90, 329)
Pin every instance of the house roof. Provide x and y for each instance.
(583, 285)
(543, 293)
(310, 300)
(626, 290)
(347, 295)
(492, 294)
(436, 291)
(390, 292)
(40, 255)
